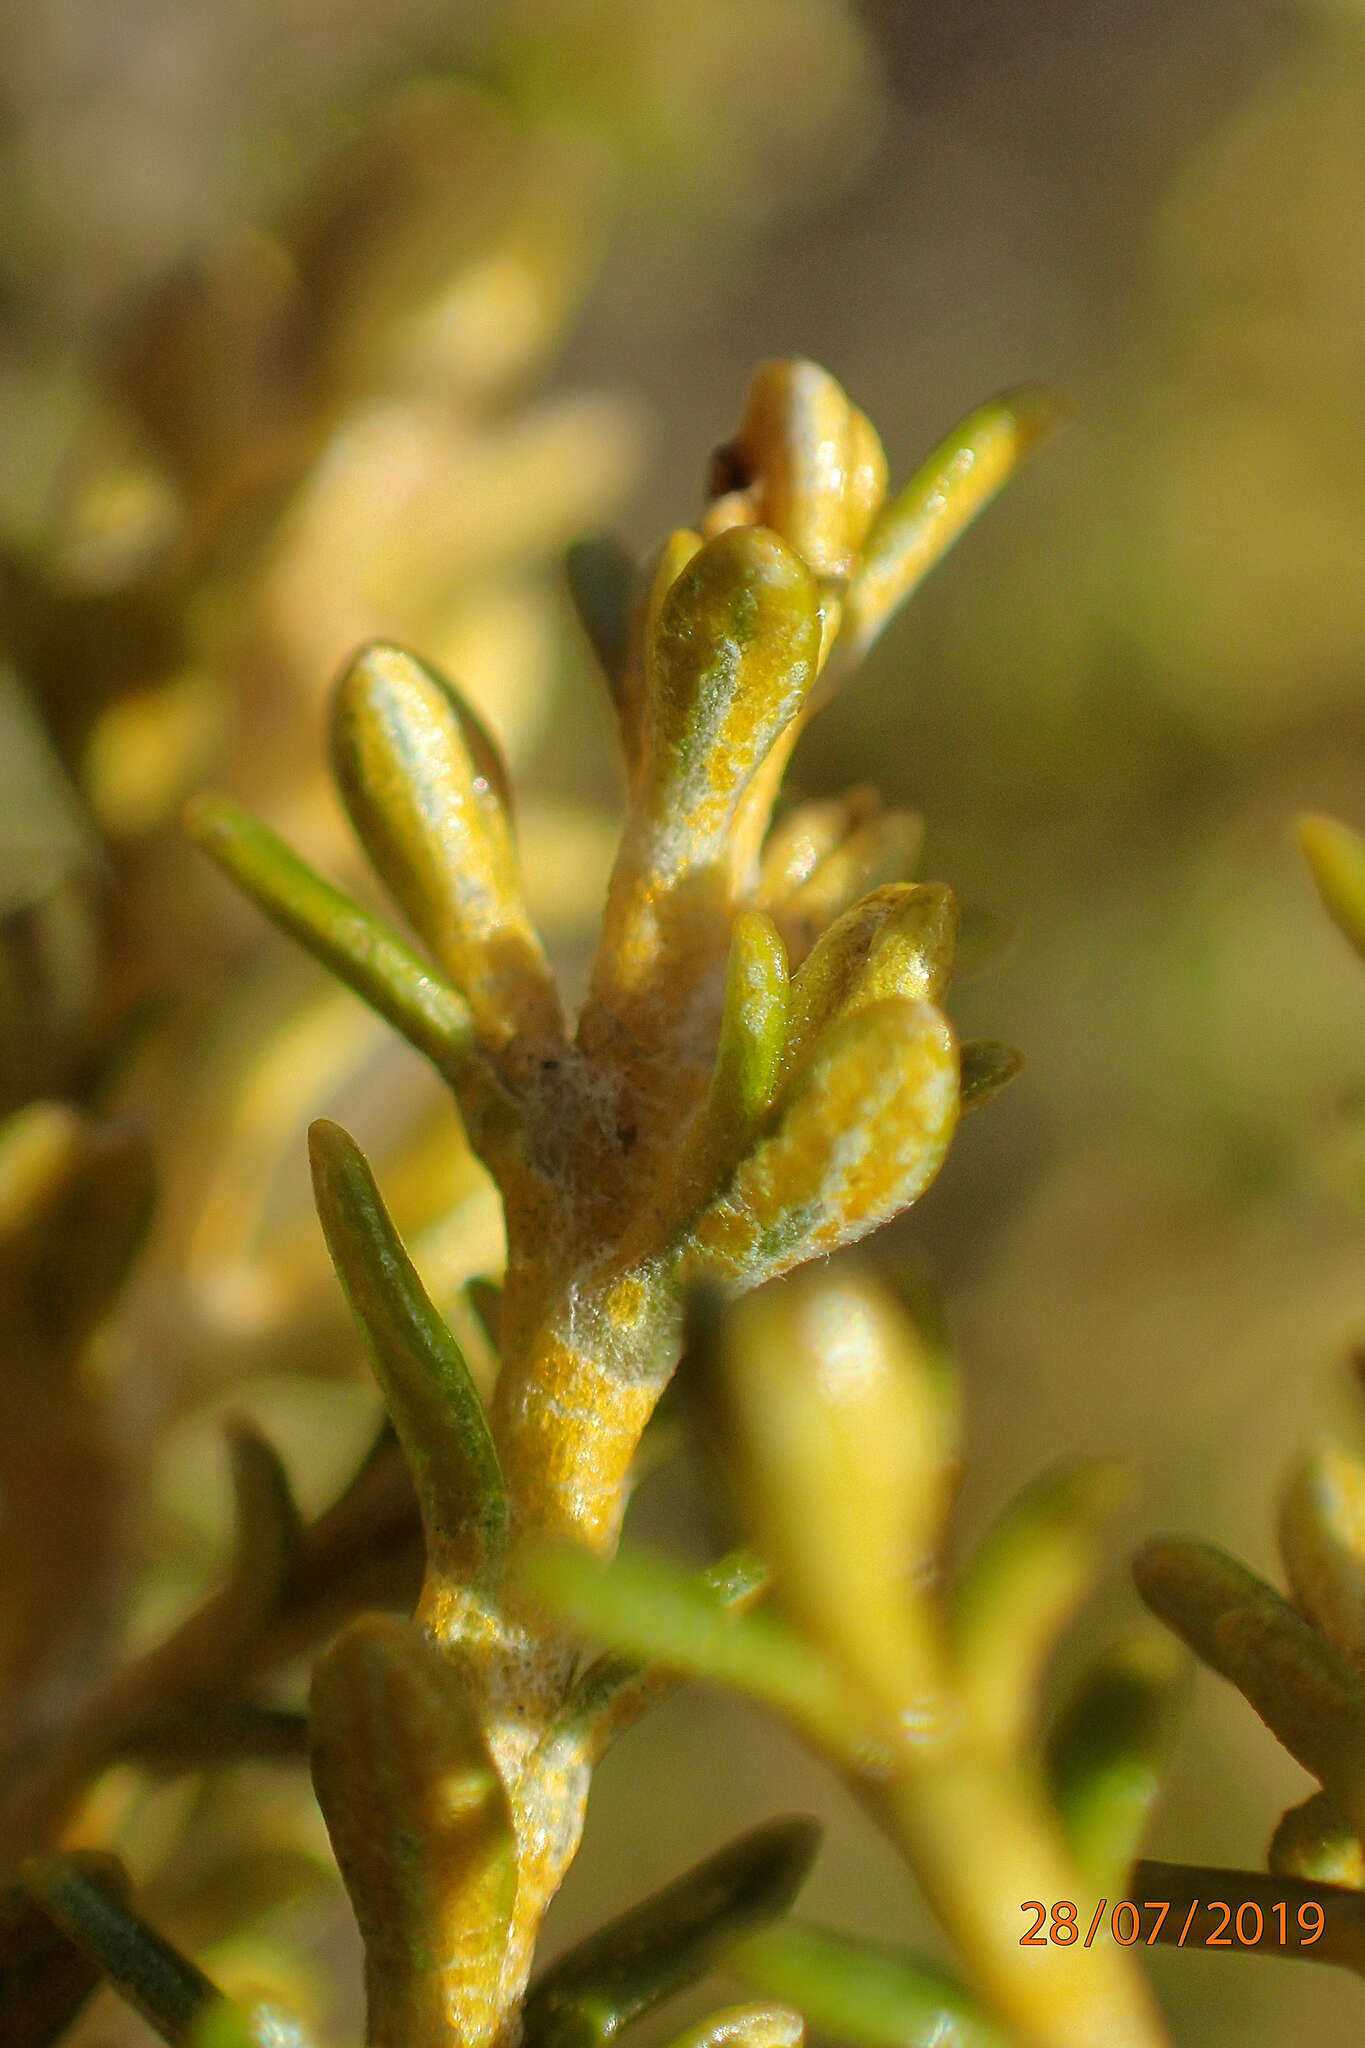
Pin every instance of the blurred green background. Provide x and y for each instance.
(328, 318)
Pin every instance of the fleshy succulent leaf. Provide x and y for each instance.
(421, 1830)
(668, 1942)
(896, 942)
(745, 2026)
(856, 1138)
(1106, 1752)
(422, 784)
(1029, 1573)
(752, 1032)
(862, 1991)
(427, 1387)
(1302, 1688)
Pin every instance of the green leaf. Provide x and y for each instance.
(1301, 1687)
(1336, 855)
(169, 1991)
(427, 1387)
(862, 1991)
(1322, 1543)
(1107, 1750)
(858, 1136)
(987, 1066)
(1030, 1572)
(615, 1691)
(896, 942)
(672, 1939)
(267, 1530)
(45, 1979)
(917, 528)
(420, 1825)
(602, 581)
(422, 784)
(347, 940)
(752, 1032)
(653, 1609)
(1314, 1841)
(732, 661)
(745, 2026)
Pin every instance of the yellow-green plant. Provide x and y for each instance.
(762, 1073)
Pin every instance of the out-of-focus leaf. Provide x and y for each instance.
(602, 580)
(419, 1822)
(673, 1938)
(1301, 1686)
(919, 525)
(987, 1066)
(745, 2026)
(267, 1531)
(350, 943)
(1322, 1543)
(862, 1991)
(835, 1437)
(1106, 1752)
(652, 1609)
(1030, 1572)
(169, 1991)
(615, 1691)
(426, 1384)
(45, 1978)
(1336, 855)
(1313, 1841)
(422, 783)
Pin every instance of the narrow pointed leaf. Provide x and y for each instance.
(427, 1387)
(1314, 1841)
(651, 1609)
(1106, 1753)
(745, 2026)
(1336, 855)
(615, 1691)
(752, 1032)
(987, 1066)
(267, 1530)
(421, 782)
(1030, 1572)
(862, 1991)
(347, 940)
(941, 500)
(45, 1979)
(421, 1830)
(1322, 1543)
(1301, 1687)
(169, 1991)
(672, 1939)
(858, 1137)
